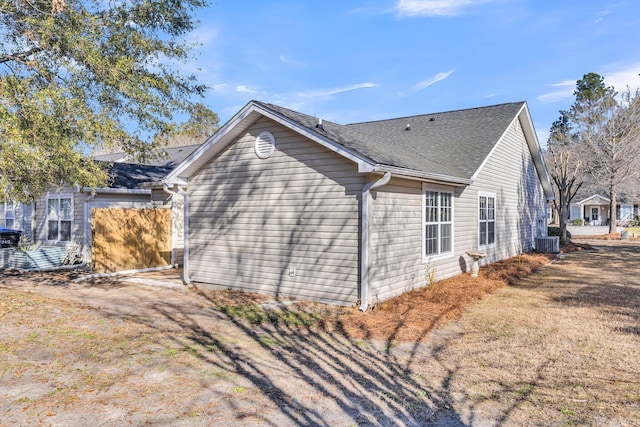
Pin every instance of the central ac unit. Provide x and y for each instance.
(549, 244)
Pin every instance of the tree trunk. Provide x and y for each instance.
(613, 209)
(563, 215)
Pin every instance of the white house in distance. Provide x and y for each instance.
(594, 210)
(284, 203)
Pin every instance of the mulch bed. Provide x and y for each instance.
(411, 316)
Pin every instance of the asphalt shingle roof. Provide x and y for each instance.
(131, 176)
(453, 143)
(171, 156)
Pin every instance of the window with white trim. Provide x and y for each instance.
(487, 219)
(7, 214)
(59, 218)
(438, 222)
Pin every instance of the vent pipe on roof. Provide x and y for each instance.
(408, 126)
(319, 125)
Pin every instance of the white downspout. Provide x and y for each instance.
(173, 229)
(87, 228)
(364, 243)
(185, 266)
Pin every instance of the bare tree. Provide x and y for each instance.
(611, 145)
(565, 167)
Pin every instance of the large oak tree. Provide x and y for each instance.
(79, 75)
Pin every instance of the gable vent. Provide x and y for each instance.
(265, 144)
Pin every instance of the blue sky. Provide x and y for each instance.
(357, 60)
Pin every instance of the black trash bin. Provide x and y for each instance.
(9, 238)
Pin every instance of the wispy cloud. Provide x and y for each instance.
(426, 83)
(563, 92)
(321, 93)
(244, 89)
(431, 80)
(601, 15)
(622, 78)
(409, 8)
(291, 62)
(204, 35)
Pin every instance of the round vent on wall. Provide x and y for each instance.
(265, 144)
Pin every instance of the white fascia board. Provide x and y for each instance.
(177, 174)
(116, 190)
(534, 148)
(177, 181)
(183, 171)
(536, 151)
(423, 176)
(584, 202)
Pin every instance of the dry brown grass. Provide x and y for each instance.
(608, 236)
(560, 347)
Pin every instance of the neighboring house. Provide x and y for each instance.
(62, 215)
(16, 216)
(282, 203)
(595, 210)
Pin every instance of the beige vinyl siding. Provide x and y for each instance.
(77, 228)
(23, 219)
(510, 174)
(397, 263)
(251, 220)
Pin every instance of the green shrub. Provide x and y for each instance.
(578, 221)
(555, 231)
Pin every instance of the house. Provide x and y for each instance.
(15, 216)
(595, 210)
(62, 216)
(283, 203)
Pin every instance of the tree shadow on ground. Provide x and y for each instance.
(310, 378)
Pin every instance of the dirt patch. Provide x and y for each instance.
(557, 347)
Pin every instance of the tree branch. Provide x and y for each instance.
(19, 56)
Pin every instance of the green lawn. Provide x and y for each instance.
(634, 230)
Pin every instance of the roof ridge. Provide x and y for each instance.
(324, 122)
(436, 113)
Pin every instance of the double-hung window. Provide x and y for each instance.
(438, 223)
(59, 218)
(487, 219)
(7, 214)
